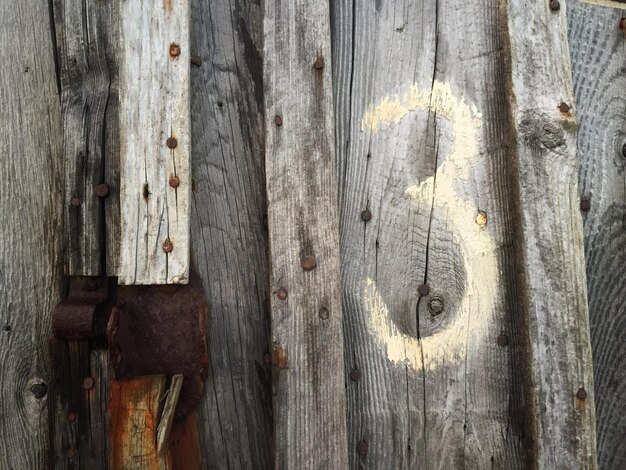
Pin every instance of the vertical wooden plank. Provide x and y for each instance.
(307, 342)
(31, 207)
(550, 246)
(229, 232)
(154, 142)
(427, 261)
(599, 73)
(97, 387)
(85, 34)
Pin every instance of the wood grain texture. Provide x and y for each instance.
(101, 373)
(599, 74)
(307, 345)
(86, 40)
(31, 208)
(135, 408)
(154, 107)
(229, 236)
(422, 138)
(549, 241)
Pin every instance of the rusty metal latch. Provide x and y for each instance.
(82, 315)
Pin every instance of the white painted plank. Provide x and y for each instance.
(154, 106)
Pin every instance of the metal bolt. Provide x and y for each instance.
(168, 246)
(555, 5)
(308, 263)
(366, 215)
(435, 305)
(503, 340)
(88, 383)
(564, 108)
(282, 293)
(481, 218)
(319, 63)
(174, 181)
(324, 313)
(71, 416)
(278, 120)
(75, 201)
(361, 448)
(39, 390)
(581, 394)
(101, 190)
(423, 289)
(171, 142)
(174, 50)
(355, 374)
(585, 205)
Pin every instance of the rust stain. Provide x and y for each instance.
(167, 5)
(184, 444)
(279, 356)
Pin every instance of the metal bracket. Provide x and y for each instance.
(77, 316)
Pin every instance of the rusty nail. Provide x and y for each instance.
(75, 201)
(319, 63)
(581, 394)
(555, 5)
(481, 218)
(361, 448)
(101, 190)
(168, 246)
(585, 205)
(282, 293)
(71, 416)
(309, 263)
(171, 142)
(355, 374)
(503, 340)
(70, 453)
(39, 390)
(278, 120)
(267, 358)
(174, 181)
(324, 313)
(435, 305)
(366, 215)
(88, 383)
(564, 108)
(196, 61)
(174, 50)
(423, 289)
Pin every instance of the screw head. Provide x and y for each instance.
(355, 374)
(366, 215)
(281, 293)
(481, 218)
(174, 50)
(168, 246)
(581, 394)
(555, 5)
(39, 390)
(324, 314)
(435, 305)
(319, 63)
(503, 340)
(423, 289)
(278, 120)
(171, 142)
(101, 190)
(75, 201)
(361, 448)
(564, 108)
(308, 263)
(585, 205)
(88, 383)
(174, 181)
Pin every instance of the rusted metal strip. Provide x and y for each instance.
(77, 317)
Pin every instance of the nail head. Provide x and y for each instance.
(324, 314)
(423, 289)
(174, 181)
(503, 340)
(361, 448)
(555, 5)
(581, 394)
(281, 293)
(355, 375)
(564, 107)
(366, 215)
(278, 120)
(88, 383)
(585, 205)
(71, 416)
(174, 50)
(481, 218)
(171, 142)
(319, 63)
(309, 263)
(75, 201)
(168, 246)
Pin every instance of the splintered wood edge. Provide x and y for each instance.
(167, 417)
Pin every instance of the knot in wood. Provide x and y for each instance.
(435, 305)
(539, 130)
(555, 5)
(39, 390)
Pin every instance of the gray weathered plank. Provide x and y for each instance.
(550, 258)
(31, 205)
(86, 35)
(307, 342)
(229, 240)
(599, 73)
(155, 177)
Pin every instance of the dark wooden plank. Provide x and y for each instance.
(30, 228)
(228, 237)
(307, 345)
(599, 72)
(86, 35)
(97, 387)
